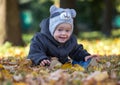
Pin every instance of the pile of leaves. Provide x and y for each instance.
(19, 71)
(15, 69)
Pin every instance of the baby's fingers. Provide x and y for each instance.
(42, 63)
(87, 57)
(45, 62)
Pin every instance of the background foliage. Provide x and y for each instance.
(89, 13)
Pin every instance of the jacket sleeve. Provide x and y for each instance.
(37, 50)
(78, 53)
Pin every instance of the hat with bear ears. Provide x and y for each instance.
(59, 16)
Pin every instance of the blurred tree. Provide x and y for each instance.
(10, 22)
(70, 4)
(107, 17)
(89, 13)
(96, 9)
(97, 13)
(40, 10)
(2, 21)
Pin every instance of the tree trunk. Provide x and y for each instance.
(107, 18)
(70, 4)
(95, 14)
(14, 34)
(2, 21)
(10, 22)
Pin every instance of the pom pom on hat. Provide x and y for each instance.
(60, 15)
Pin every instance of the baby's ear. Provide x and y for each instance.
(73, 13)
(52, 9)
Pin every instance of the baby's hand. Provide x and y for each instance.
(45, 62)
(92, 56)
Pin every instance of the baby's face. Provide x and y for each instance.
(62, 32)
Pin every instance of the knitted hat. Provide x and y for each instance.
(60, 15)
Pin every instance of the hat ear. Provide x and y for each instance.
(52, 9)
(73, 13)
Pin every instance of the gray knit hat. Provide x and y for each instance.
(60, 15)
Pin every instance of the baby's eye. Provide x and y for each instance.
(67, 30)
(59, 29)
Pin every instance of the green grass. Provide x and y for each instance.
(27, 38)
(116, 33)
(98, 35)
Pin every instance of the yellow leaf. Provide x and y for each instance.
(1, 66)
(66, 66)
(26, 63)
(6, 74)
(77, 67)
(20, 83)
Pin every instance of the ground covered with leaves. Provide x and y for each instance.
(15, 69)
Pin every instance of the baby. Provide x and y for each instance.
(56, 39)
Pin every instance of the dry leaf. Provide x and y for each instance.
(54, 63)
(98, 76)
(17, 77)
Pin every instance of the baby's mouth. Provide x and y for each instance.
(62, 37)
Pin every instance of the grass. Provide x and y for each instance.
(27, 38)
(98, 35)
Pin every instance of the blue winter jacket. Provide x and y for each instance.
(44, 46)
